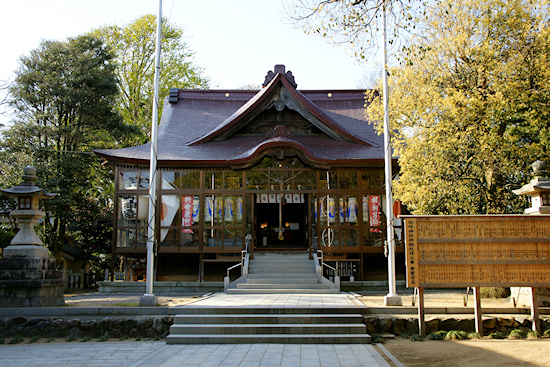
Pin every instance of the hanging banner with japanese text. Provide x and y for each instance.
(187, 213)
(374, 213)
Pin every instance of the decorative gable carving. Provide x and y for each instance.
(280, 130)
(266, 122)
(279, 94)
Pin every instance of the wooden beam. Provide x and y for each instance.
(421, 312)
(535, 321)
(477, 311)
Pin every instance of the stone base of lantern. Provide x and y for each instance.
(29, 251)
(539, 210)
(30, 282)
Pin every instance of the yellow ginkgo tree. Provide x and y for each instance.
(469, 105)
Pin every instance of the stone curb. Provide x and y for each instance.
(86, 311)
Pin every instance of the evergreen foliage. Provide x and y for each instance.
(64, 95)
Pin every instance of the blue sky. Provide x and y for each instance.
(236, 41)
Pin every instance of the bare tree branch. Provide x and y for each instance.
(4, 94)
(357, 23)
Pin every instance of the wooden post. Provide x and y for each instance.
(535, 321)
(201, 268)
(477, 311)
(421, 321)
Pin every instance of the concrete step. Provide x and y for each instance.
(308, 280)
(268, 311)
(337, 318)
(290, 269)
(281, 286)
(281, 276)
(280, 255)
(303, 262)
(268, 338)
(281, 273)
(289, 329)
(283, 291)
(282, 261)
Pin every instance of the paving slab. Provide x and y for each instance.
(339, 300)
(150, 354)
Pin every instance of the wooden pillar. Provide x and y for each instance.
(254, 224)
(477, 311)
(535, 321)
(201, 268)
(361, 275)
(421, 319)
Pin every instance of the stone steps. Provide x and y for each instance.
(278, 311)
(221, 319)
(286, 276)
(294, 269)
(304, 280)
(284, 291)
(281, 286)
(260, 329)
(272, 274)
(290, 273)
(271, 338)
(283, 325)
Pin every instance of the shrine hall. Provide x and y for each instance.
(270, 170)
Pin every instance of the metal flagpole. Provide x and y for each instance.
(392, 299)
(149, 299)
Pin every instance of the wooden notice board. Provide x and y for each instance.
(477, 250)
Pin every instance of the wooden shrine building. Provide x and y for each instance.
(294, 170)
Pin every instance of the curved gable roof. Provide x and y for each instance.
(279, 93)
(235, 128)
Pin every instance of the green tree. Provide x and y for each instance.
(11, 169)
(64, 95)
(469, 106)
(134, 47)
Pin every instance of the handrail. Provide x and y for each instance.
(323, 263)
(233, 267)
(241, 264)
(245, 258)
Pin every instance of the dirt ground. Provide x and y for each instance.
(455, 353)
(94, 299)
(440, 298)
(484, 352)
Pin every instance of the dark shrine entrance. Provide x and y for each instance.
(281, 225)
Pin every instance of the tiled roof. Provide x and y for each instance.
(199, 129)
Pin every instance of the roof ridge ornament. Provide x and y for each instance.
(279, 69)
(174, 95)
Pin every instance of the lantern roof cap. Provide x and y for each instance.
(538, 184)
(28, 186)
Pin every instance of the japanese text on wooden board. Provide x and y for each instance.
(463, 251)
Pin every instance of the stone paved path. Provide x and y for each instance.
(152, 354)
(158, 353)
(341, 300)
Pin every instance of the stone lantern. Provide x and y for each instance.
(28, 276)
(26, 242)
(539, 189)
